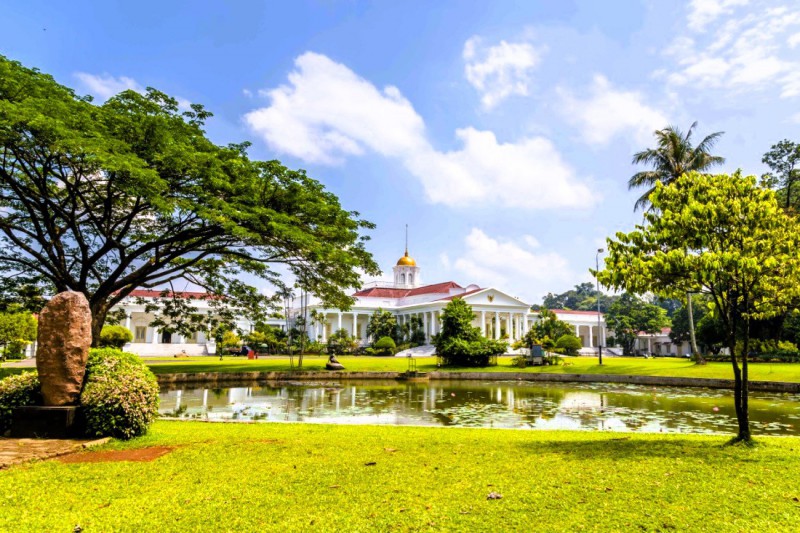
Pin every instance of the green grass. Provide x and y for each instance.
(673, 367)
(293, 477)
(575, 365)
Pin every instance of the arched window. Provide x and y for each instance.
(411, 279)
(403, 279)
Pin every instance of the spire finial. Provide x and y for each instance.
(406, 240)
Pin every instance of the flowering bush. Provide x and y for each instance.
(120, 398)
(17, 391)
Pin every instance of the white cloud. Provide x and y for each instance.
(499, 71)
(742, 50)
(796, 118)
(703, 12)
(531, 241)
(608, 112)
(327, 113)
(104, 86)
(508, 264)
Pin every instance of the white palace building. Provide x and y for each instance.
(496, 313)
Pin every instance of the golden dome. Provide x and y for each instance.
(406, 261)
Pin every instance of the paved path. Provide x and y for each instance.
(22, 363)
(16, 451)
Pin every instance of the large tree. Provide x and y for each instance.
(382, 324)
(674, 156)
(16, 328)
(630, 315)
(722, 236)
(459, 343)
(105, 199)
(583, 297)
(783, 159)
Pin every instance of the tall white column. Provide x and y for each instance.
(425, 326)
(496, 325)
(128, 321)
(577, 331)
(355, 324)
(340, 321)
(511, 331)
(591, 339)
(483, 323)
(155, 339)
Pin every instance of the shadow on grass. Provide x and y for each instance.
(13, 370)
(622, 447)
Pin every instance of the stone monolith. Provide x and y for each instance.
(65, 335)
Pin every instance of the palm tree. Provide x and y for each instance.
(673, 157)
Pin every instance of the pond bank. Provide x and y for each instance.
(222, 377)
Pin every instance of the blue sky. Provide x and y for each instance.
(501, 132)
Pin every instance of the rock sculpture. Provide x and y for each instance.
(333, 364)
(64, 339)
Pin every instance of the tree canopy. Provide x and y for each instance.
(582, 298)
(629, 315)
(16, 328)
(722, 236)
(103, 199)
(673, 156)
(783, 160)
(382, 324)
(459, 342)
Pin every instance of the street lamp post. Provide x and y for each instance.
(599, 329)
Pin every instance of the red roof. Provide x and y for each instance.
(436, 288)
(460, 295)
(148, 293)
(664, 331)
(571, 312)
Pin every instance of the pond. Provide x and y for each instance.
(496, 404)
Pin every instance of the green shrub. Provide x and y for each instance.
(17, 391)
(570, 344)
(341, 343)
(459, 343)
(385, 346)
(15, 350)
(115, 336)
(478, 352)
(120, 398)
(787, 346)
(315, 347)
(553, 359)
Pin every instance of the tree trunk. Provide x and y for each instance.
(740, 390)
(698, 357)
(99, 313)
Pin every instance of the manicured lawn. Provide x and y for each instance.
(576, 365)
(292, 477)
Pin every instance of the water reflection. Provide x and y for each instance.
(487, 404)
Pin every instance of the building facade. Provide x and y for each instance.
(497, 314)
